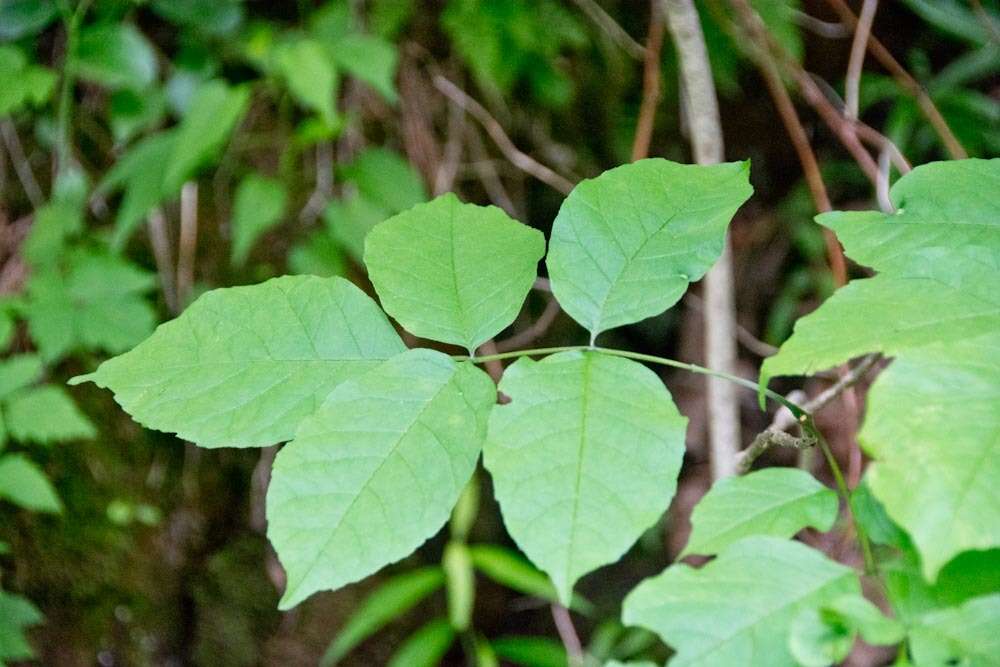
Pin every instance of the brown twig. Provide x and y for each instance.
(162, 255)
(518, 158)
(907, 82)
(21, 166)
(533, 332)
(702, 108)
(650, 84)
(783, 419)
(487, 173)
(764, 441)
(605, 22)
(743, 335)
(800, 142)
(567, 634)
(187, 242)
(447, 170)
(859, 46)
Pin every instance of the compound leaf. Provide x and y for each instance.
(242, 366)
(584, 459)
(739, 608)
(933, 416)
(625, 245)
(453, 272)
(376, 470)
(773, 501)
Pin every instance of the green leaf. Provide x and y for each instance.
(453, 272)
(531, 651)
(16, 615)
(22, 83)
(969, 575)
(408, 433)
(45, 415)
(625, 245)
(259, 204)
(816, 641)
(116, 55)
(24, 484)
(140, 172)
(310, 76)
(824, 636)
(318, 254)
(216, 17)
(935, 305)
(96, 305)
(965, 635)
(19, 18)
(773, 501)
(18, 372)
(387, 180)
(510, 569)
(584, 459)
(55, 222)
(953, 463)
(370, 59)
(461, 578)
(351, 219)
(131, 112)
(243, 366)
(392, 599)
(860, 614)
(214, 112)
(738, 609)
(425, 647)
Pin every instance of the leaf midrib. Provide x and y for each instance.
(334, 531)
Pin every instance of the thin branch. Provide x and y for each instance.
(783, 419)
(323, 190)
(447, 170)
(487, 173)
(567, 634)
(162, 255)
(852, 82)
(822, 28)
(650, 84)
(535, 331)
(518, 158)
(743, 335)
(800, 141)
(764, 441)
(907, 82)
(605, 22)
(187, 243)
(21, 166)
(882, 190)
(720, 314)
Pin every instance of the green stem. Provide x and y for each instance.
(871, 567)
(804, 418)
(64, 139)
(648, 358)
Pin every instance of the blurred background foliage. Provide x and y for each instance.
(152, 149)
